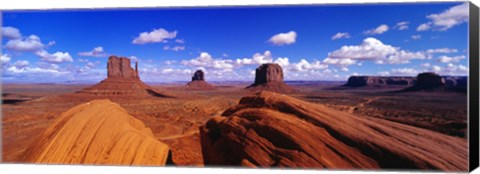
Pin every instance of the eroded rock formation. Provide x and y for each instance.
(122, 80)
(269, 77)
(119, 67)
(198, 82)
(269, 129)
(379, 81)
(97, 132)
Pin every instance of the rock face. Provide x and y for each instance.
(269, 77)
(122, 81)
(198, 75)
(269, 129)
(378, 81)
(430, 81)
(119, 67)
(97, 132)
(198, 82)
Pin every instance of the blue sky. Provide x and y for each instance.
(322, 42)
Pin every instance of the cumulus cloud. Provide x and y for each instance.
(442, 50)
(96, 52)
(21, 64)
(372, 49)
(402, 25)
(22, 67)
(5, 58)
(283, 38)
(31, 43)
(175, 48)
(155, 36)
(424, 26)
(257, 58)
(369, 49)
(447, 59)
(57, 57)
(206, 60)
(340, 36)
(405, 71)
(379, 30)
(11, 33)
(447, 19)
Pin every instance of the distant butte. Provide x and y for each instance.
(198, 82)
(122, 80)
(269, 77)
(379, 81)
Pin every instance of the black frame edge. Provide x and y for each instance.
(474, 87)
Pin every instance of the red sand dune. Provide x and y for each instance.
(270, 129)
(97, 132)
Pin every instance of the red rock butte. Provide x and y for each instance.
(269, 77)
(198, 82)
(122, 80)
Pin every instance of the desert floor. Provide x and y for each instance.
(28, 109)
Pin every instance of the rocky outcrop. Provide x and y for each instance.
(430, 81)
(269, 129)
(97, 132)
(198, 82)
(198, 75)
(379, 81)
(119, 67)
(122, 81)
(269, 77)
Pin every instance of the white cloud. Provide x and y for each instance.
(206, 60)
(52, 70)
(372, 49)
(257, 58)
(283, 38)
(304, 65)
(442, 50)
(426, 65)
(384, 73)
(402, 25)
(424, 26)
(96, 52)
(340, 36)
(369, 49)
(379, 30)
(447, 59)
(155, 36)
(416, 37)
(11, 33)
(405, 71)
(180, 41)
(175, 48)
(339, 62)
(21, 64)
(56, 57)
(447, 19)
(451, 69)
(5, 58)
(31, 43)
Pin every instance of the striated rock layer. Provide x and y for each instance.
(122, 80)
(97, 132)
(269, 77)
(270, 129)
(378, 81)
(198, 82)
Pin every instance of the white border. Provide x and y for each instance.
(89, 4)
